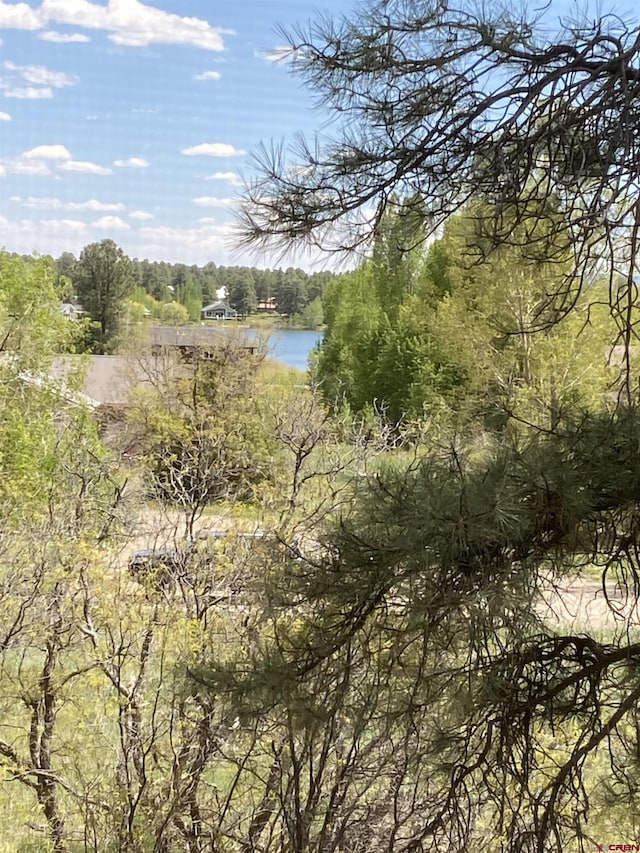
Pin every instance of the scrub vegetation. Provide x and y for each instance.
(253, 611)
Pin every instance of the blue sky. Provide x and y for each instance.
(135, 121)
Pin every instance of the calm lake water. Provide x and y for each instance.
(292, 346)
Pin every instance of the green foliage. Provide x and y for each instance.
(291, 292)
(523, 356)
(65, 271)
(32, 330)
(103, 280)
(293, 289)
(383, 667)
(155, 278)
(378, 668)
(379, 346)
(312, 316)
(463, 326)
(32, 327)
(201, 433)
(140, 296)
(174, 313)
(352, 320)
(388, 654)
(421, 613)
(241, 292)
(189, 294)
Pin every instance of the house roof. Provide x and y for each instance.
(108, 379)
(192, 335)
(72, 309)
(219, 306)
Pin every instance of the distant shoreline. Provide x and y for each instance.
(268, 323)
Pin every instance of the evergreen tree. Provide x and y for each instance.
(103, 281)
(447, 566)
(241, 293)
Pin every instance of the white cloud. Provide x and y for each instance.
(79, 13)
(47, 152)
(17, 166)
(38, 75)
(31, 82)
(213, 149)
(84, 166)
(49, 237)
(200, 244)
(46, 236)
(186, 245)
(19, 16)
(207, 75)
(111, 223)
(25, 92)
(212, 201)
(93, 204)
(133, 24)
(133, 163)
(3, 171)
(38, 161)
(141, 215)
(232, 178)
(64, 224)
(64, 38)
(44, 203)
(5, 117)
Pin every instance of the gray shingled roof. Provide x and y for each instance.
(109, 379)
(220, 305)
(185, 336)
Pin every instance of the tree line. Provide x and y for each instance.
(104, 279)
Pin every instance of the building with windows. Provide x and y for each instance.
(219, 311)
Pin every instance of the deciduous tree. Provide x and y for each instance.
(450, 104)
(199, 428)
(532, 127)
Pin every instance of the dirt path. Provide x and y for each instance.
(159, 529)
(577, 603)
